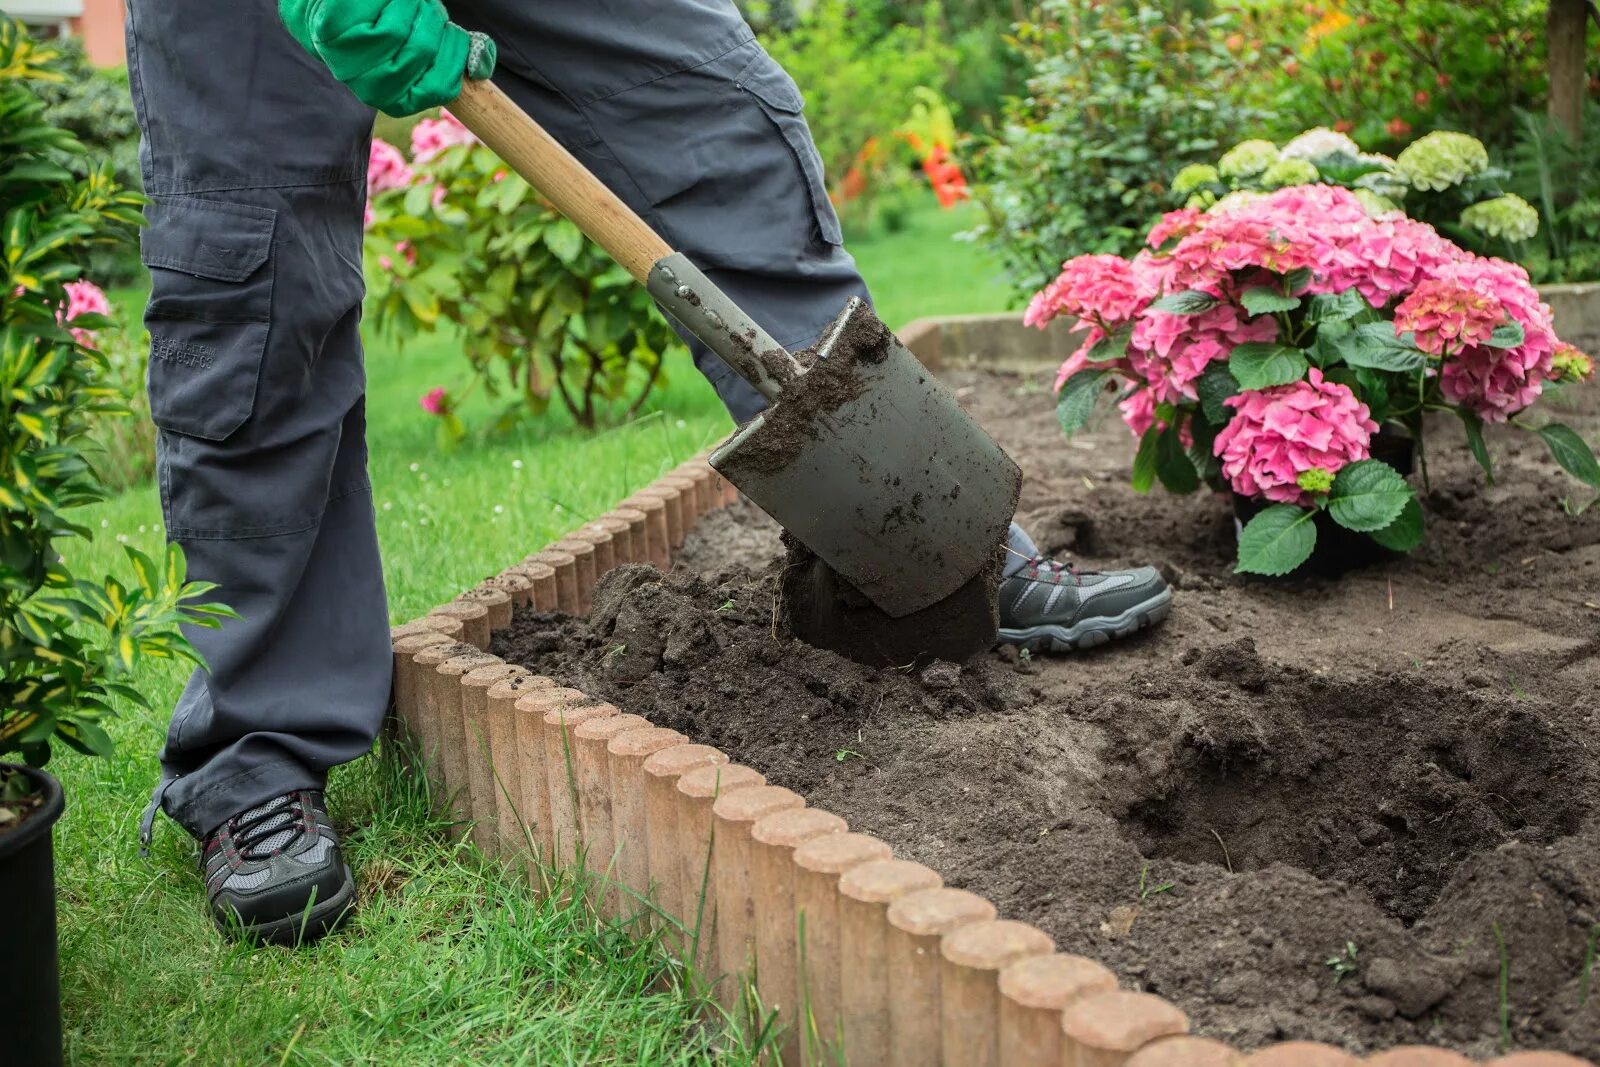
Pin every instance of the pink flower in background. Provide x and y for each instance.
(438, 196)
(1447, 317)
(386, 168)
(432, 136)
(83, 298)
(368, 216)
(436, 401)
(1276, 434)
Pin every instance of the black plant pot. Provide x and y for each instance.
(1338, 549)
(30, 986)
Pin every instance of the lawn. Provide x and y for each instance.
(451, 958)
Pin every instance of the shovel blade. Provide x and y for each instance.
(896, 488)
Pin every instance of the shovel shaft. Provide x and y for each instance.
(676, 283)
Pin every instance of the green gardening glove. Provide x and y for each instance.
(399, 56)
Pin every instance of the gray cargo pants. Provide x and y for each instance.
(255, 158)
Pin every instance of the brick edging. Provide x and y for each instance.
(902, 970)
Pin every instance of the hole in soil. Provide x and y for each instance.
(1389, 788)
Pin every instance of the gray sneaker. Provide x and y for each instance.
(1054, 607)
(274, 873)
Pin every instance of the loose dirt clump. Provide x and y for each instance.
(1307, 809)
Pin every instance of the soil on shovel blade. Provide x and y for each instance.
(1343, 810)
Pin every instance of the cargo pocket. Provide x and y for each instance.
(210, 301)
(780, 99)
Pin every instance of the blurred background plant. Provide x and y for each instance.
(1557, 173)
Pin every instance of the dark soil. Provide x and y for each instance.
(1402, 760)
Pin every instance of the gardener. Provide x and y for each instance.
(254, 155)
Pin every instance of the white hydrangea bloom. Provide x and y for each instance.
(1319, 142)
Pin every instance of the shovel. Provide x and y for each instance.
(863, 457)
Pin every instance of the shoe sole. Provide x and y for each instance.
(303, 927)
(1092, 632)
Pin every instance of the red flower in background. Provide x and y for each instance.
(949, 184)
(1398, 127)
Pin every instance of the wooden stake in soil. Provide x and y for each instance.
(513, 825)
(528, 723)
(543, 595)
(519, 587)
(626, 754)
(707, 496)
(565, 566)
(621, 534)
(455, 745)
(1289, 1054)
(1538, 1059)
(658, 548)
(582, 553)
(773, 840)
(661, 773)
(917, 922)
(604, 551)
(448, 625)
(561, 774)
(1105, 1031)
(688, 499)
(1200, 1052)
(733, 815)
(590, 762)
(474, 621)
(426, 665)
(672, 513)
(497, 602)
(409, 703)
(865, 893)
(1418, 1056)
(818, 866)
(1033, 993)
(698, 790)
(475, 686)
(638, 532)
(972, 957)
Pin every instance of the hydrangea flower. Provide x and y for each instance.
(1178, 223)
(1193, 177)
(432, 136)
(386, 168)
(1287, 172)
(1247, 159)
(1446, 316)
(1441, 159)
(1568, 364)
(1101, 288)
(83, 298)
(1499, 382)
(1170, 352)
(1276, 435)
(1319, 143)
(1509, 217)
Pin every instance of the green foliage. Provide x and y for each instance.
(1557, 177)
(123, 448)
(68, 645)
(1277, 540)
(544, 312)
(1120, 94)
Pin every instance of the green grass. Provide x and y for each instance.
(450, 958)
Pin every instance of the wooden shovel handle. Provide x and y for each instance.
(566, 183)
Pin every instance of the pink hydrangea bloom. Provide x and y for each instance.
(432, 136)
(435, 401)
(1447, 317)
(83, 298)
(1499, 382)
(1276, 434)
(1102, 289)
(1138, 411)
(386, 168)
(1170, 351)
(1178, 223)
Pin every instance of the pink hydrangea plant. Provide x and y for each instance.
(432, 136)
(1279, 434)
(83, 298)
(386, 168)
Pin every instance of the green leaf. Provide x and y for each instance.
(1144, 462)
(1475, 442)
(1263, 364)
(1336, 307)
(1405, 532)
(1297, 279)
(1113, 346)
(1079, 395)
(1368, 495)
(1214, 387)
(1188, 302)
(1375, 346)
(1508, 334)
(1173, 465)
(1261, 300)
(1572, 452)
(565, 240)
(1276, 541)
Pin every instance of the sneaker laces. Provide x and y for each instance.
(263, 831)
(1055, 567)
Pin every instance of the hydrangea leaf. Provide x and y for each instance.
(1264, 364)
(1572, 452)
(1144, 462)
(1405, 532)
(1263, 300)
(1374, 345)
(1173, 465)
(1480, 451)
(1336, 307)
(1368, 495)
(1188, 302)
(1078, 398)
(1214, 387)
(1113, 346)
(1508, 334)
(1276, 541)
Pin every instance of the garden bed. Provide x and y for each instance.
(1307, 809)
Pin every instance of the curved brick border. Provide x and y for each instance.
(765, 893)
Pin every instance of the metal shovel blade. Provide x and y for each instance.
(886, 478)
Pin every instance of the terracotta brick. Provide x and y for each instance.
(605, 555)
(409, 681)
(516, 585)
(455, 745)
(513, 824)
(658, 545)
(865, 893)
(544, 596)
(638, 532)
(595, 800)
(671, 498)
(1538, 1059)
(432, 719)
